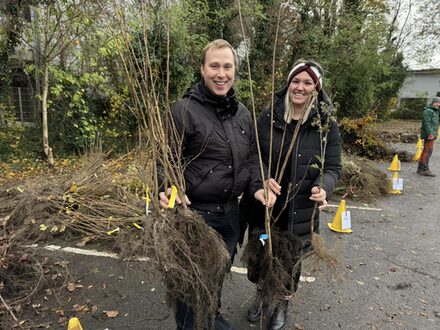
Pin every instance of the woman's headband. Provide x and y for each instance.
(312, 70)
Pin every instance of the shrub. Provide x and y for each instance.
(410, 109)
(11, 132)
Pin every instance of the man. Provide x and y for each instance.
(429, 133)
(220, 157)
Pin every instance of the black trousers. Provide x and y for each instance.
(227, 224)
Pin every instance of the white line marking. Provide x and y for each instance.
(95, 253)
(86, 252)
(357, 207)
(239, 270)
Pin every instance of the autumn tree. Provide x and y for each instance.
(55, 26)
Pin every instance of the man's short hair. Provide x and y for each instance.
(219, 44)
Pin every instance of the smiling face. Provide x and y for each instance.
(301, 88)
(218, 70)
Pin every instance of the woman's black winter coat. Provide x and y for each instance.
(300, 176)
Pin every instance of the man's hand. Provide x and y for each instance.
(319, 195)
(271, 197)
(164, 199)
(430, 137)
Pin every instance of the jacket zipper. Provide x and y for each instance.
(292, 203)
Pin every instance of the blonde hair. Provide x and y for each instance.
(219, 44)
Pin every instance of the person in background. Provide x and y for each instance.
(301, 185)
(428, 133)
(219, 150)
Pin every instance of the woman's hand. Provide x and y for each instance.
(319, 195)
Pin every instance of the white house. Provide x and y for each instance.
(420, 84)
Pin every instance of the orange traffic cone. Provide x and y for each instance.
(74, 324)
(419, 148)
(392, 189)
(337, 224)
(395, 164)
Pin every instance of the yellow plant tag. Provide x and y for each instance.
(137, 226)
(147, 196)
(110, 232)
(147, 200)
(172, 197)
(73, 187)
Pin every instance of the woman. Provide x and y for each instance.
(299, 109)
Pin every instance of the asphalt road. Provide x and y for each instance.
(389, 278)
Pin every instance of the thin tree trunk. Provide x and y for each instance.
(45, 89)
(36, 52)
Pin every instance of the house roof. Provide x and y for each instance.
(424, 71)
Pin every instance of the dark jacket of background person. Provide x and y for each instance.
(430, 122)
(296, 217)
(218, 147)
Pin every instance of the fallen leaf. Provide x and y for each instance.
(84, 241)
(80, 308)
(59, 312)
(71, 286)
(62, 264)
(55, 276)
(111, 314)
(309, 279)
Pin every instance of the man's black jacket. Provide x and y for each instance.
(217, 142)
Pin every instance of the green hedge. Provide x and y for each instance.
(410, 109)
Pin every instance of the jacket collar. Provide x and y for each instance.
(223, 105)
